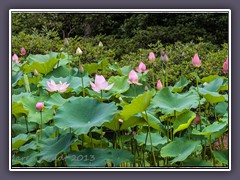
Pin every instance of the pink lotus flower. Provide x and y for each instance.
(196, 61)
(100, 84)
(40, 106)
(225, 66)
(141, 68)
(159, 85)
(52, 86)
(133, 78)
(151, 57)
(23, 51)
(15, 58)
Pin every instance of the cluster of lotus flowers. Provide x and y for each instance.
(100, 82)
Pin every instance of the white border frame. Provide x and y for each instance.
(119, 11)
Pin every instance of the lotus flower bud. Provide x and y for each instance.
(146, 88)
(40, 106)
(120, 120)
(79, 51)
(133, 78)
(196, 60)
(205, 83)
(196, 120)
(225, 66)
(23, 51)
(164, 58)
(15, 58)
(159, 85)
(100, 44)
(81, 70)
(35, 72)
(66, 43)
(151, 57)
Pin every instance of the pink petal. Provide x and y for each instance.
(109, 87)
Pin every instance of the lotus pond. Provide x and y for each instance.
(103, 115)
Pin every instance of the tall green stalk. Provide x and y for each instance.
(150, 136)
(41, 125)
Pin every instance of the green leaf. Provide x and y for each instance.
(18, 110)
(42, 63)
(180, 149)
(156, 139)
(221, 108)
(91, 68)
(196, 162)
(132, 122)
(221, 156)
(55, 101)
(138, 105)
(84, 113)
(212, 97)
(61, 71)
(29, 103)
(169, 102)
(125, 70)
(98, 157)
(210, 78)
(134, 91)
(20, 140)
(27, 158)
(215, 85)
(120, 84)
(183, 121)
(215, 127)
(154, 122)
(178, 87)
(16, 76)
(52, 150)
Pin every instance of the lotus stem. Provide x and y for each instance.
(26, 124)
(41, 125)
(83, 87)
(150, 136)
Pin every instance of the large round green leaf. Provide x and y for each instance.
(20, 140)
(212, 97)
(29, 103)
(27, 158)
(120, 84)
(84, 113)
(183, 121)
(132, 122)
(42, 63)
(178, 87)
(154, 122)
(157, 139)
(216, 85)
(169, 102)
(180, 149)
(51, 151)
(98, 157)
(213, 128)
(221, 156)
(138, 105)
